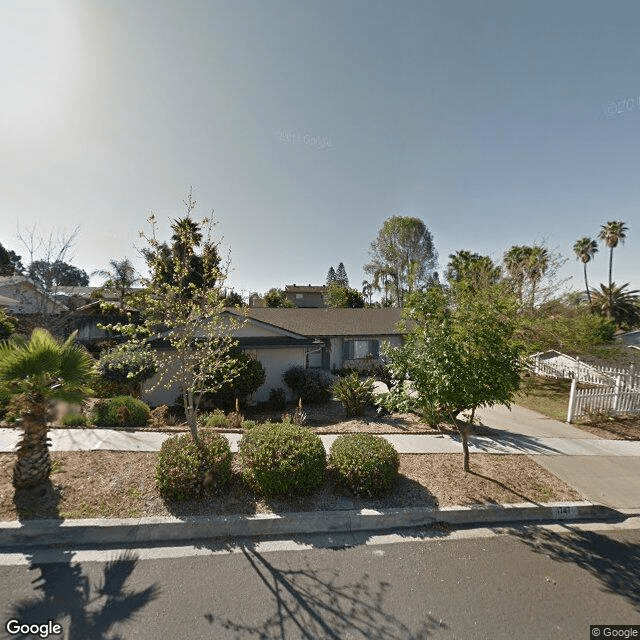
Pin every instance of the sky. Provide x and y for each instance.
(304, 125)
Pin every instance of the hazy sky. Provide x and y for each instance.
(305, 124)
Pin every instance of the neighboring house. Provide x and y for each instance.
(306, 297)
(348, 337)
(276, 348)
(29, 297)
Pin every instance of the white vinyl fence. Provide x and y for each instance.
(610, 400)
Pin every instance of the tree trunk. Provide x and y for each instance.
(33, 464)
(610, 312)
(463, 430)
(586, 286)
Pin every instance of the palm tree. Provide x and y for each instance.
(514, 263)
(537, 263)
(38, 371)
(623, 307)
(585, 249)
(612, 233)
(367, 290)
(121, 277)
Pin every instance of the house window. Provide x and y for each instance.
(360, 349)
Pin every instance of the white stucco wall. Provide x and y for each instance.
(274, 361)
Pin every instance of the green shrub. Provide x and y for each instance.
(127, 365)
(312, 385)
(364, 464)
(120, 411)
(250, 376)
(354, 393)
(74, 420)
(248, 424)
(278, 459)
(185, 469)
(214, 420)
(277, 399)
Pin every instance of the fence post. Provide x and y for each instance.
(616, 397)
(572, 400)
(577, 368)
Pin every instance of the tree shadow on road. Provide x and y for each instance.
(615, 563)
(64, 594)
(311, 604)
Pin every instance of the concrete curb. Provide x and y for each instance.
(174, 530)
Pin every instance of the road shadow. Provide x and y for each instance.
(614, 563)
(312, 604)
(63, 594)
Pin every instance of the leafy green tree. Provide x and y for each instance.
(249, 377)
(50, 275)
(121, 277)
(37, 371)
(129, 365)
(339, 297)
(10, 263)
(585, 250)
(180, 305)
(233, 299)
(277, 298)
(459, 353)
(404, 248)
(563, 326)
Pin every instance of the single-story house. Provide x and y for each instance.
(349, 337)
(282, 338)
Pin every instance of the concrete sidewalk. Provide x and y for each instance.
(509, 443)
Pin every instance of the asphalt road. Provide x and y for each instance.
(526, 583)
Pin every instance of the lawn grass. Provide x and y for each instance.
(549, 396)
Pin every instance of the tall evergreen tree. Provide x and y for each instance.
(341, 276)
(331, 276)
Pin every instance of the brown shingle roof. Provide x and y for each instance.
(330, 322)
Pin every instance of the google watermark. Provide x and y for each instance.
(292, 137)
(614, 631)
(49, 628)
(619, 107)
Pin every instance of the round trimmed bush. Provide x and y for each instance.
(279, 459)
(312, 385)
(120, 411)
(185, 469)
(366, 465)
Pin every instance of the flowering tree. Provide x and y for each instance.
(181, 306)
